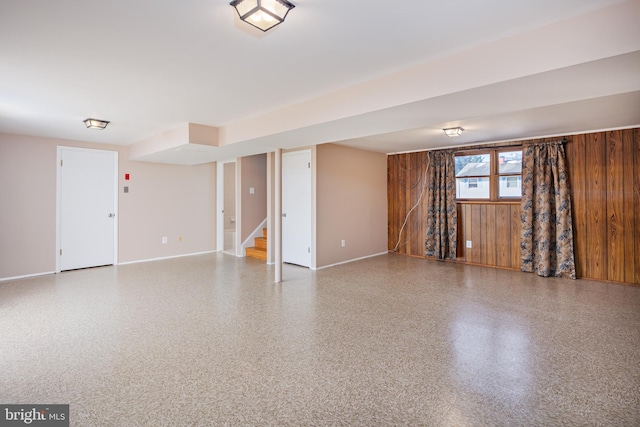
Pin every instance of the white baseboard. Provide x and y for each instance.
(350, 260)
(166, 257)
(26, 276)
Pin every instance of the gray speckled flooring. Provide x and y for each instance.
(392, 340)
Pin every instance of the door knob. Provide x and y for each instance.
(284, 215)
(111, 215)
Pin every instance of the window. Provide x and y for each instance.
(510, 173)
(492, 174)
(472, 176)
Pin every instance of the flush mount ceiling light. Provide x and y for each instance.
(96, 123)
(262, 14)
(451, 132)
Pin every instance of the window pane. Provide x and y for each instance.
(476, 165)
(510, 162)
(472, 188)
(510, 186)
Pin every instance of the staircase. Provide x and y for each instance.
(259, 251)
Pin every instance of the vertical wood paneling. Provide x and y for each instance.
(483, 234)
(391, 198)
(636, 202)
(405, 180)
(421, 213)
(407, 201)
(416, 186)
(604, 173)
(397, 239)
(490, 245)
(468, 226)
(615, 216)
(460, 232)
(628, 207)
(503, 235)
(515, 236)
(476, 234)
(576, 159)
(596, 206)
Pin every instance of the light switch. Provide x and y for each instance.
(252, 190)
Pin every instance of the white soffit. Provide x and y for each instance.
(187, 144)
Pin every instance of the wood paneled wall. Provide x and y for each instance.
(406, 182)
(494, 232)
(604, 174)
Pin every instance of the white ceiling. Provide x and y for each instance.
(375, 75)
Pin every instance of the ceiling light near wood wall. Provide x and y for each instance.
(451, 132)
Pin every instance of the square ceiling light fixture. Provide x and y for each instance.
(451, 132)
(96, 123)
(262, 14)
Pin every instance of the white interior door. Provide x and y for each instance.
(296, 208)
(87, 200)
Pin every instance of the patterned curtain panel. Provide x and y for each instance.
(547, 230)
(442, 216)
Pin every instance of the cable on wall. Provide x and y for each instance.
(403, 169)
(424, 187)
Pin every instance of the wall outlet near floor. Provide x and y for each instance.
(343, 243)
(469, 244)
(164, 240)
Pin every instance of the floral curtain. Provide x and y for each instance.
(547, 231)
(442, 216)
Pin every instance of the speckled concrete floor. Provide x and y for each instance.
(392, 340)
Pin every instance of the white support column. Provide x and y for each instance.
(278, 215)
(270, 213)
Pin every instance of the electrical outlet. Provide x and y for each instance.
(164, 240)
(469, 244)
(343, 243)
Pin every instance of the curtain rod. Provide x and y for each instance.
(476, 147)
(511, 144)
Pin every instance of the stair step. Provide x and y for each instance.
(261, 243)
(264, 233)
(256, 253)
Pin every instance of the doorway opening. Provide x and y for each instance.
(227, 208)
